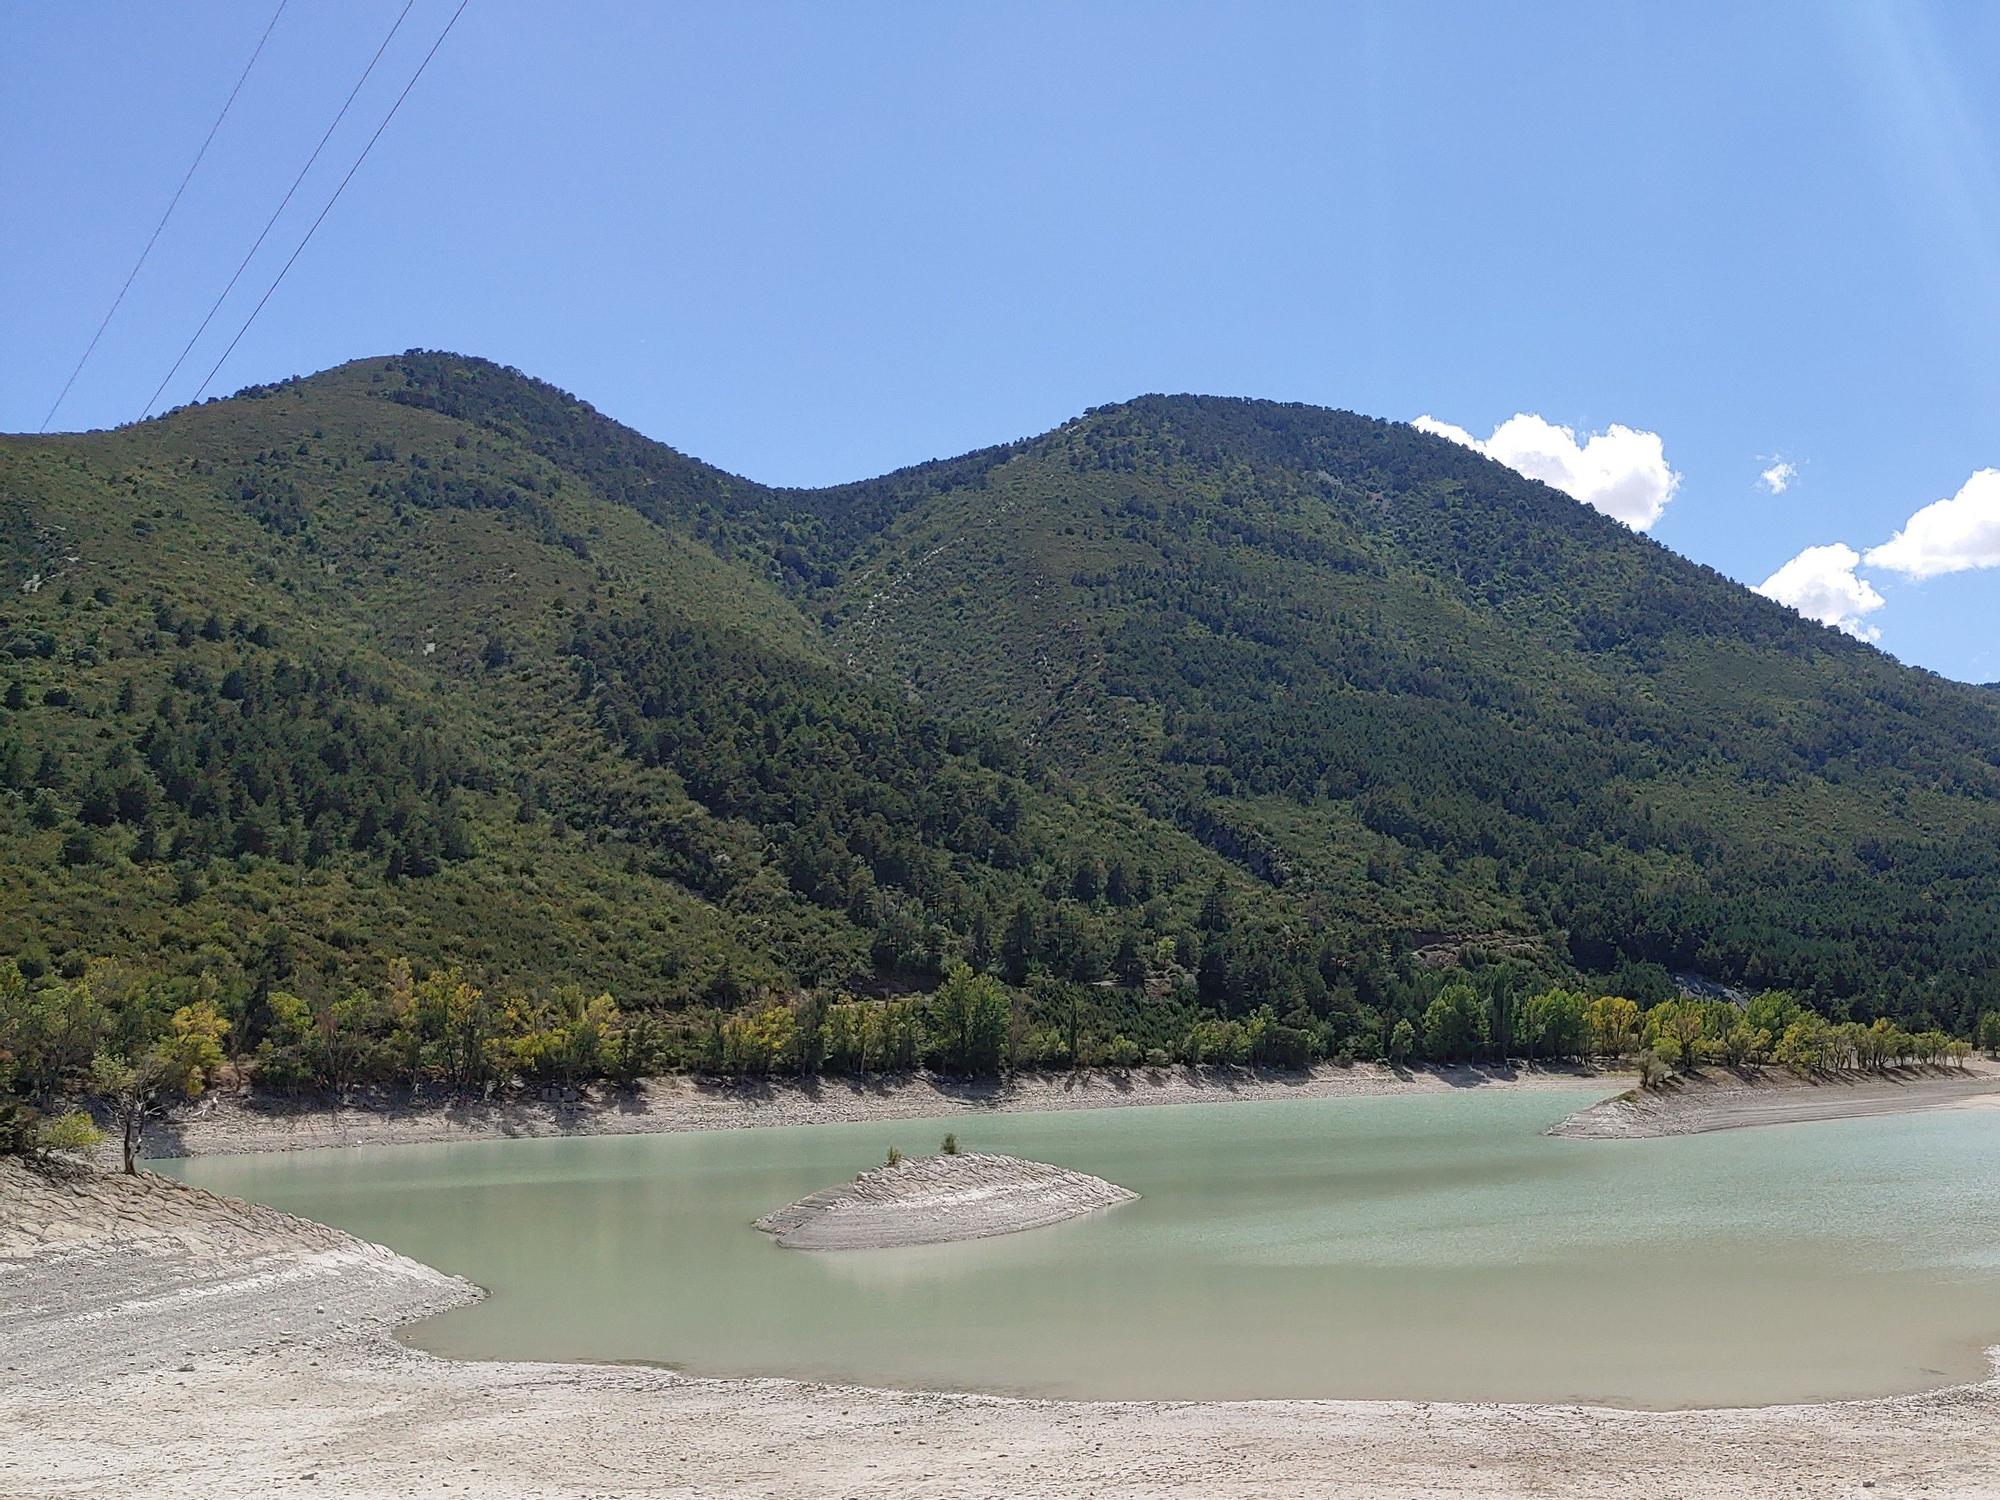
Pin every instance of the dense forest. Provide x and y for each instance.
(1192, 730)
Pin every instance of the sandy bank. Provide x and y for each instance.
(98, 1406)
(100, 1273)
(928, 1200)
(1731, 1099)
(225, 1125)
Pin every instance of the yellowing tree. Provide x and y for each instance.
(192, 1051)
(1613, 1022)
(764, 1041)
(1680, 1026)
(1805, 1045)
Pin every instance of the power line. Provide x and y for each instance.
(335, 198)
(283, 203)
(206, 142)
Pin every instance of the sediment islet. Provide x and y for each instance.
(928, 1200)
(1734, 1099)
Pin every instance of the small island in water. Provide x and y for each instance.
(931, 1199)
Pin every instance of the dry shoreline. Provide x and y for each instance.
(1715, 1099)
(165, 1342)
(232, 1124)
(1735, 1099)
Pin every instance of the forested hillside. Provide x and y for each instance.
(1381, 668)
(1189, 708)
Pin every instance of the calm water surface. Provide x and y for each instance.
(1431, 1246)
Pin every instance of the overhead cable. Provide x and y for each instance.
(334, 199)
(188, 177)
(283, 203)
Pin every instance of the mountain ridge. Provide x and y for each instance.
(1330, 684)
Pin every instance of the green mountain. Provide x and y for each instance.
(1193, 702)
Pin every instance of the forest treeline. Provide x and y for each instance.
(442, 1031)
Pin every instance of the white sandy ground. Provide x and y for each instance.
(227, 1124)
(929, 1200)
(157, 1341)
(1729, 1099)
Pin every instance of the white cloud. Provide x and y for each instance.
(1948, 536)
(1820, 583)
(1620, 471)
(1778, 478)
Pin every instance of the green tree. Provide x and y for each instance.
(50, 1031)
(1130, 963)
(78, 848)
(1214, 913)
(1503, 1025)
(1553, 1024)
(1652, 1069)
(1772, 1011)
(285, 1055)
(637, 1048)
(845, 1035)
(1017, 945)
(466, 1025)
(968, 1017)
(1455, 1025)
(72, 1131)
(1402, 1042)
(897, 1035)
(415, 1028)
(1122, 1052)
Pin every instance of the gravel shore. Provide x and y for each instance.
(1733, 1099)
(228, 1124)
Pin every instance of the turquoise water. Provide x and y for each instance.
(1430, 1246)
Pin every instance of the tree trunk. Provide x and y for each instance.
(134, 1125)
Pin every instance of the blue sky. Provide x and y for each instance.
(815, 242)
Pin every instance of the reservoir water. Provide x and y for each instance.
(1429, 1246)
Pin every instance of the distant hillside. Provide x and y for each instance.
(1190, 702)
(1386, 669)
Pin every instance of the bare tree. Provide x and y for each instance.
(135, 1093)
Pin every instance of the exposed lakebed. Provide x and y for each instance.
(1431, 1246)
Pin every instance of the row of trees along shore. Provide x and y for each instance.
(138, 1042)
